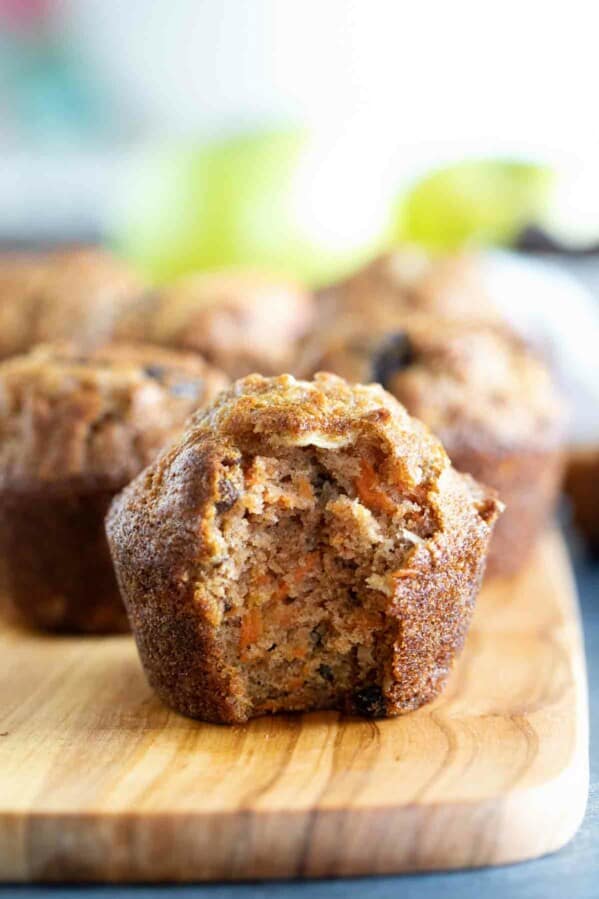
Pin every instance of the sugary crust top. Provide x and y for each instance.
(265, 416)
(69, 294)
(235, 318)
(97, 417)
(327, 412)
(411, 279)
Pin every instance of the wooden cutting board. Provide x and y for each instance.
(99, 781)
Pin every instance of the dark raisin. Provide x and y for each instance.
(271, 647)
(318, 480)
(354, 597)
(533, 239)
(318, 634)
(394, 354)
(155, 371)
(228, 496)
(326, 673)
(189, 389)
(370, 702)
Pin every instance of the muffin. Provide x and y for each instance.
(409, 279)
(66, 295)
(19, 278)
(582, 486)
(240, 321)
(488, 398)
(304, 545)
(73, 431)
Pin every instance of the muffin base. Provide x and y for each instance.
(55, 568)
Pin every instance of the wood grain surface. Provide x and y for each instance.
(100, 782)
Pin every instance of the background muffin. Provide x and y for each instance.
(20, 276)
(73, 295)
(241, 321)
(488, 398)
(409, 279)
(303, 545)
(74, 429)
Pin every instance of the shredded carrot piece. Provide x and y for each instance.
(369, 490)
(280, 592)
(305, 488)
(367, 620)
(262, 579)
(404, 573)
(251, 628)
(307, 566)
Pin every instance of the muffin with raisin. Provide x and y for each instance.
(483, 392)
(73, 295)
(411, 280)
(303, 545)
(239, 320)
(74, 429)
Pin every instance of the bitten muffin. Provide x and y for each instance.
(409, 279)
(241, 321)
(73, 431)
(582, 486)
(73, 295)
(490, 400)
(304, 545)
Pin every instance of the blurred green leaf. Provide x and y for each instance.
(278, 200)
(473, 202)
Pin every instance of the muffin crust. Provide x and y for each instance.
(75, 294)
(241, 321)
(410, 280)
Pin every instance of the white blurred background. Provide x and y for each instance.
(86, 83)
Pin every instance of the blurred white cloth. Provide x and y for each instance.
(559, 314)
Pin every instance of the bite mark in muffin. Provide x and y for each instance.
(304, 545)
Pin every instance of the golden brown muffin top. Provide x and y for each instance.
(241, 320)
(471, 381)
(168, 516)
(409, 279)
(96, 418)
(72, 294)
(260, 415)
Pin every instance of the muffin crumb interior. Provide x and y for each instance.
(310, 543)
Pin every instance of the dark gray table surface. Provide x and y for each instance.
(572, 872)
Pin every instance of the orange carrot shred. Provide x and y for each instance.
(404, 573)
(306, 567)
(251, 628)
(369, 490)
